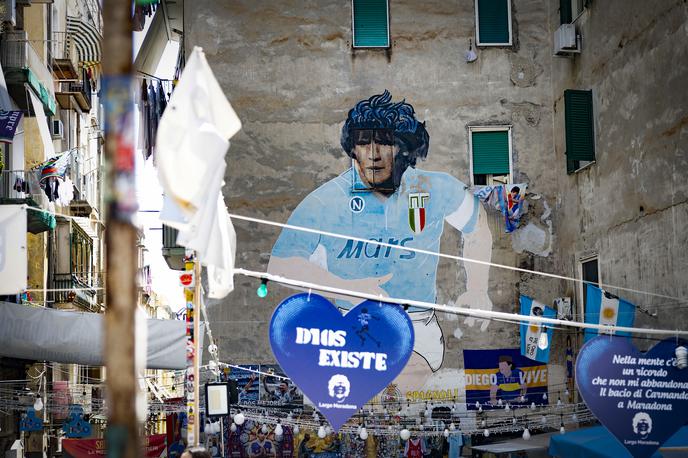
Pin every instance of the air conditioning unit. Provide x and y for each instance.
(57, 129)
(566, 40)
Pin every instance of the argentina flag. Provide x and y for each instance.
(536, 338)
(604, 308)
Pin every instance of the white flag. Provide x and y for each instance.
(192, 140)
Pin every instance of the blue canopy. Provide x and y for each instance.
(597, 442)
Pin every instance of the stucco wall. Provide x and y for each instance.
(291, 75)
(630, 206)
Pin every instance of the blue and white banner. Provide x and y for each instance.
(606, 309)
(340, 362)
(536, 338)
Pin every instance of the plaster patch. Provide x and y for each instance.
(458, 333)
(533, 239)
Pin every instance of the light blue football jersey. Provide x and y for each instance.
(422, 202)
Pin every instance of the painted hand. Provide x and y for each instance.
(370, 285)
(475, 299)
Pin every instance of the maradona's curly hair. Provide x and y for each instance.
(379, 112)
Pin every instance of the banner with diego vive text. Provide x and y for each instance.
(503, 375)
(536, 338)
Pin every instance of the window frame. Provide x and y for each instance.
(578, 165)
(497, 128)
(509, 22)
(583, 259)
(353, 31)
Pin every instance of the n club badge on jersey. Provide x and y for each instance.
(416, 207)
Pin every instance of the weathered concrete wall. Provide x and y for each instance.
(631, 205)
(291, 75)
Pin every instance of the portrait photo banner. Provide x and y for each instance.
(496, 377)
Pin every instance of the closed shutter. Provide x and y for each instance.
(370, 24)
(565, 13)
(580, 140)
(493, 22)
(490, 152)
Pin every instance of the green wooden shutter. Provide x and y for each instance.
(580, 139)
(565, 13)
(493, 22)
(490, 152)
(371, 24)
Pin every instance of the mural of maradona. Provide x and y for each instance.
(383, 197)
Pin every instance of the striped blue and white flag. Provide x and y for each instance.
(604, 308)
(536, 338)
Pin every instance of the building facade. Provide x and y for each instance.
(492, 83)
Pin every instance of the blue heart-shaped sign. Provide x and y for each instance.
(340, 362)
(641, 398)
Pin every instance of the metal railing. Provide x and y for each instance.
(18, 52)
(84, 288)
(21, 185)
(82, 86)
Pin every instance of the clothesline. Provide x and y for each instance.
(464, 311)
(446, 256)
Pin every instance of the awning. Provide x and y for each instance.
(597, 442)
(61, 336)
(86, 38)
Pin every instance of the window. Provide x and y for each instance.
(370, 23)
(569, 10)
(490, 155)
(493, 22)
(81, 255)
(589, 271)
(580, 139)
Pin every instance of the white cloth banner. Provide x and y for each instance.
(62, 336)
(192, 141)
(43, 128)
(13, 265)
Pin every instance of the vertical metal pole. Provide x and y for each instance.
(197, 348)
(121, 237)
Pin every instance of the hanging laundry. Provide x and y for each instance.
(65, 192)
(20, 185)
(138, 20)
(55, 166)
(506, 198)
(153, 117)
(145, 118)
(50, 187)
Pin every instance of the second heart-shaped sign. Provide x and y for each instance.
(641, 398)
(340, 362)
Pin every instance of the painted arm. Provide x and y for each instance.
(301, 268)
(477, 245)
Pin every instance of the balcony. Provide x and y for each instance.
(83, 290)
(79, 92)
(22, 187)
(22, 65)
(64, 57)
(173, 253)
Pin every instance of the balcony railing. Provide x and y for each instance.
(83, 289)
(81, 91)
(17, 186)
(18, 52)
